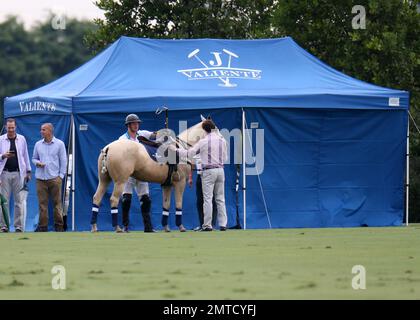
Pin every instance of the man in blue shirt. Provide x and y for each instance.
(50, 159)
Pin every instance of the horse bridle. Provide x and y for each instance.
(182, 143)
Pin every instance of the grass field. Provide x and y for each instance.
(254, 264)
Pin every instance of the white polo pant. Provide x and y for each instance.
(213, 182)
(141, 187)
(11, 183)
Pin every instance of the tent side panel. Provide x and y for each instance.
(329, 168)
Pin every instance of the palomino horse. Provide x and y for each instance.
(124, 158)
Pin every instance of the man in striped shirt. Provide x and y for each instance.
(199, 196)
(212, 150)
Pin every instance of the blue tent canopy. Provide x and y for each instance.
(141, 73)
(334, 146)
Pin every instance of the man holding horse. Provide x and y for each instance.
(212, 150)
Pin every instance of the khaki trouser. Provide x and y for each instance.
(45, 189)
(11, 184)
(213, 181)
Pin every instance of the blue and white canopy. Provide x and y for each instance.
(134, 74)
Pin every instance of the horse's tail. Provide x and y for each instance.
(104, 154)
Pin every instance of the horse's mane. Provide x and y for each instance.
(192, 134)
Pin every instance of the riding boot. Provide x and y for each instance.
(146, 205)
(126, 204)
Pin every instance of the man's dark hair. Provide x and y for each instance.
(11, 120)
(208, 125)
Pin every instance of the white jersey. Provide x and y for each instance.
(141, 133)
(141, 187)
(198, 164)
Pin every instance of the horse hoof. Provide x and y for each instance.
(94, 228)
(182, 228)
(166, 228)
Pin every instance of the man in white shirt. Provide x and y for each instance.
(15, 172)
(133, 133)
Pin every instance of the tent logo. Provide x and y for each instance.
(215, 69)
(37, 106)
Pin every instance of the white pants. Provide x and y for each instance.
(141, 187)
(213, 182)
(11, 183)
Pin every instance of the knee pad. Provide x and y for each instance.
(126, 202)
(146, 203)
(126, 198)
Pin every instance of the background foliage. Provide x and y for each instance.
(386, 52)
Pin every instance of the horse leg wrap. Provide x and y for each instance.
(178, 217)
(126, 204)
(114, 215)
(95, 211)
(165, 216)
(146, 205)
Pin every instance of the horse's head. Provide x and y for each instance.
(195, 133)
(188, 137)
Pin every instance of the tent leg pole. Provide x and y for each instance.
(243, 167)
(73, 172)
(407, 175)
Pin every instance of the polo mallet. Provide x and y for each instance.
(159, 110)
(230, 54)
(195, 55)
(238, 223)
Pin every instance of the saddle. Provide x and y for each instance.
(151, 147)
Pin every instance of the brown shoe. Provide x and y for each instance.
(182, 228)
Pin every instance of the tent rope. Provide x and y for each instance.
(415, 124)
(258, 176)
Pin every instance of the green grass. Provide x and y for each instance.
(254, 264)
